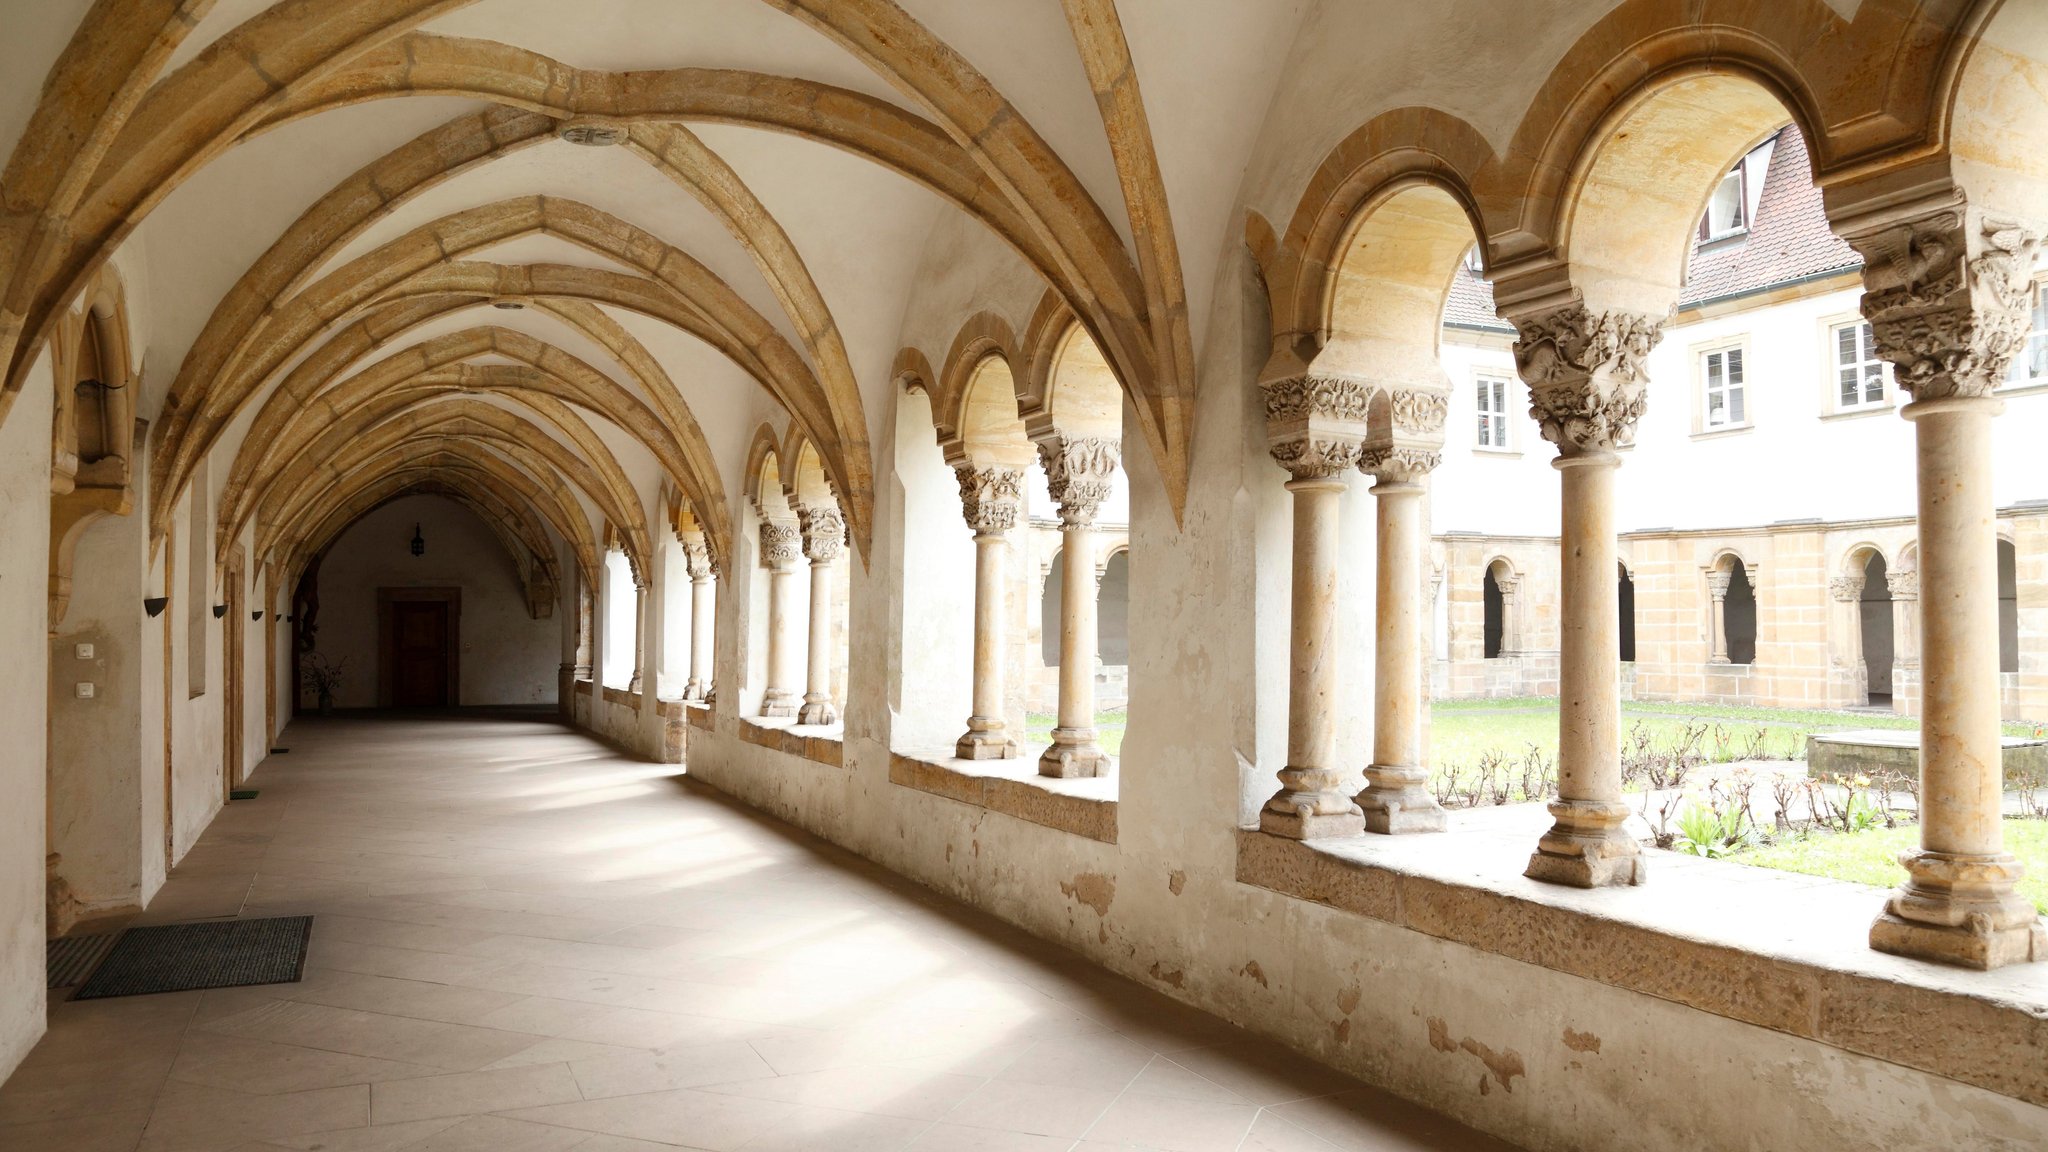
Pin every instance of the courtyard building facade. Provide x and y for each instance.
(876, 573)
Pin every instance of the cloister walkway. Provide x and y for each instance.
(527, 942)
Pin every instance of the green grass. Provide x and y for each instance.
(1873, 857)
(1461, 731)
(1109, 729)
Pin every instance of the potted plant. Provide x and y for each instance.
(322, 677)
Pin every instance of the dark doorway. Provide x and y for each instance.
(417, 659)
(1625, 596)
(1495, 622)
(1740, 614)
(1876, 618)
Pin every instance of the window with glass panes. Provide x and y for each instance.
(1859, 374)
(1722, 371)
(1493, 412)
(2031, 365)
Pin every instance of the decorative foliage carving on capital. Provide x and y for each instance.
(1316, 425)
(1077, 472)
(1903, 585)
(1846, 587)
(824, 530)
(781, 543)
(1587, 373)
(1717, 584)
(990, 497)
(1948, 306)
(1398, 463)
(697, 559)
(1419, 412)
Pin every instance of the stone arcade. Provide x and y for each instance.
(692, 407)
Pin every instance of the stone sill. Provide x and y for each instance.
(1085, 807)
(820, 744)
(1773, 949)
(700, 714)
(621, 696)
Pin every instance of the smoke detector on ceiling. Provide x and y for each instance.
(591, 131)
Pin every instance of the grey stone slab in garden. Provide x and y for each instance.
(214, 954)
(1832, 755)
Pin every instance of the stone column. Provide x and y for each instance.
(1945, 294)
(640, 606)
(1077, 471)
(824, 534)
(1510, 615)
(1396, 798)
(1316, 429)
(1588, 386)
(1717, 616)
(990, 498)
(703, 619)
(780, 547)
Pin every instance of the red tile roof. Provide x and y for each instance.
(1790, 241)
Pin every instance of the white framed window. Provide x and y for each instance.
(1860, 377)
(2031, 365)
(1728, 209)
(1491, 395)
(1722, 394)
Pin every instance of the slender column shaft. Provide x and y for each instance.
(1717, 616)
(1074, 751)
(987, 737)
(780, 550)
(1587, 846)
(1309, 803)
(703, 617)
(1958, 903)
(640, 613)
(1397, 797)
(818, 707)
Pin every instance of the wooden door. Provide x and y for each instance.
(419, 657)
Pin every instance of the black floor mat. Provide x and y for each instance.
(71, 960)
(214, 954)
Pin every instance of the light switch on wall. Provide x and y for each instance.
(84, 651)
(85, 690)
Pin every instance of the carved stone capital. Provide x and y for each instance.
(1419, 413)
(1903, 585)
(781, 543)
(1947, 302)
(990, 497)
(697, 559)
(1846, 588)
(1717, 584)
(1399, 463)
(824, 532)
(1078, 471)
(1588, 374)
(1316, 425)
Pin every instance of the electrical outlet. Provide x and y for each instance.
(85, 690)
(84, 651)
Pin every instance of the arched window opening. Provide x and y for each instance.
(91, 418)
(1876, 617)
(672, 672)
(1740, 615)
(1112, 635)
(1496, 612)
(1625, 596)
(1049, 606)
(2008, 607)
(620, 610)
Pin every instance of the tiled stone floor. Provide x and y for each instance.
(526, 942)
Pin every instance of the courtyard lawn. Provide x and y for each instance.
(1109, 729)
(1461, 731)
(1873, 857)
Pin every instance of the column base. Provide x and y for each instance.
(696, 692)
(1396, 801)
(1960, 910)
(1587, 847)
(985, 744)
(817, 712)
(1310, 825)
(1073, 756)
(777, 703)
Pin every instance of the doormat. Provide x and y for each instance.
(72, 959)
(213, 954)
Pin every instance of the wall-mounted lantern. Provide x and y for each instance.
(219, 611)
(154, 605)
(419, 542)
(256, 615)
